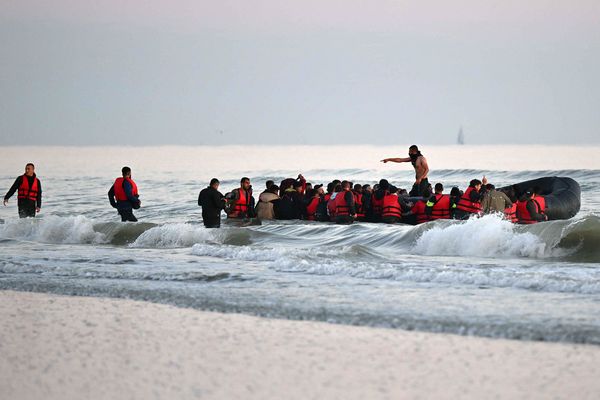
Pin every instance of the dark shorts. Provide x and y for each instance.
(417, 190)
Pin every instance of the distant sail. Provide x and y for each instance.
(461, 137)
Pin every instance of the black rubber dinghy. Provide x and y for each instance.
(563, 195)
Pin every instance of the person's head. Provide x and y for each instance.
(528, 193)
(376, 187)
(366, 188)
(475, 184)
(29, 169)
(338, 188)
(269, 183)
(402, 192)
(413, 150)
(455, 191)
(439, 188)
(311, 193)
(490, 187)
(298, 186)
(245, 183)
(358, 188)
(384, 184)
(273, 189)
(214, 183)
(346, 185)
(309, 186)
(126, 171)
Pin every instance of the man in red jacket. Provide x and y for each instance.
(29, 198)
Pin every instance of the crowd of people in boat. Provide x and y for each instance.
(345, 202)
(341, 201)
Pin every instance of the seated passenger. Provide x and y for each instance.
(345, 209)
(494, 201)
(531, 209)
(470, 202)
(438, 206)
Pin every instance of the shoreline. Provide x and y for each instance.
(67, 347)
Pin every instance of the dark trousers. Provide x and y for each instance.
(417, 190)
(212, 222)
(26, 208)
(127, 215)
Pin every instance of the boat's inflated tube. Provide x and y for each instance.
(562, 195)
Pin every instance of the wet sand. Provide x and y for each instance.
(61, 347)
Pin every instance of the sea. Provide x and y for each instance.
(482, 277)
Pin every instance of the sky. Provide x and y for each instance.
(78, 72)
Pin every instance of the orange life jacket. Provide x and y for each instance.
(358, 204)
(391, 206)
(120, 192)
(511, 213)
(331, 205)
(418, 211)
(241, 206)
(341, 206)
(26, 192)
(440, 208)
(311, 208)
(466, 204)
(523, 215)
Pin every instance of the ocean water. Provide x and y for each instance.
(482, 277)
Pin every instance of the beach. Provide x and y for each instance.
(65, 347)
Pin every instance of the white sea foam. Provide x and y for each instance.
(53, 229)
(177, 235)
(489, 236)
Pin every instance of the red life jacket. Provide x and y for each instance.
(418, 211)
(523, 215)
(511, 213)
(241, 206)
(331, 205)
(466, 204)
(390, 206)
(440, 208)
(358, 204)
(341, 206)
(311, 208)
(377, 204)
(26, 192)
(120, 192)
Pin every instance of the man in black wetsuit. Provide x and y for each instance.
(419, 163)
(212, 202)
(29, 197)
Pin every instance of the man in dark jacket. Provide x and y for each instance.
(212, 202)
(123, 195)
(29, 198)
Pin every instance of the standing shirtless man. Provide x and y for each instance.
(419, 162)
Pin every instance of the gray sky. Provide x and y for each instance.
(307, 72)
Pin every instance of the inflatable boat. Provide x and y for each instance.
(562, 195)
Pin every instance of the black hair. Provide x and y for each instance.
(125, 171)
(269, 183)
(489, 186)
(358, 186)
(297, 184)
(244, 179)
(214, 181)
(365, 186)
(426, 193)
(413, 147)
(273, 189)
(455, 191)
(439, 187)
(28, 164)
(474, 182)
